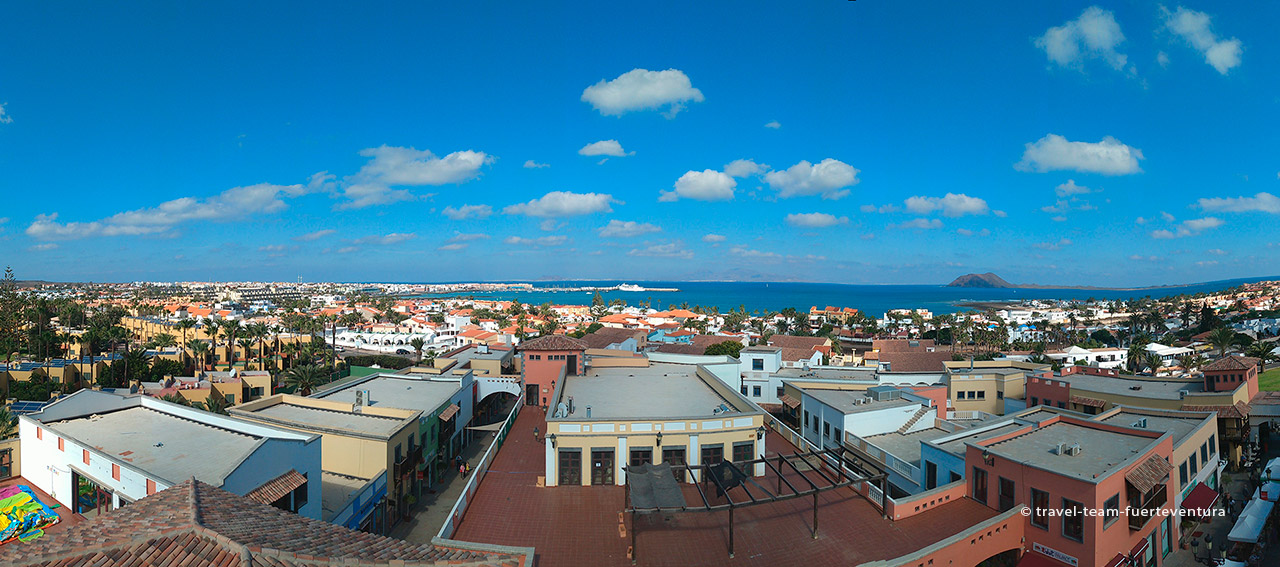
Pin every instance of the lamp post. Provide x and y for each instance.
(659, 438)
(552, 439)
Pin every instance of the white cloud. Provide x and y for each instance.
(1056, 153)
(385, 240)
(1070, 188)
(1163, 59)
(464, 237)
(744, 168)
(348, 249)
(273, 248)
(919, 224)
(1195, 28)
(668, 250)
(392, 166)
(530, 164)
(1053, 245)
(1166, 216)
(642, 89)
(1190, 227)
(744, 252)
(604, 148)
(540, 241)
(1094, 35)
(43, 246)
(951, 205)
(999, 213)
(1261, 202)
(774, 125)
(233, 204)
(5, 118)
(815, 220)
(453, 246)
(467, 212)
(713, 238)
(705, 185)
(827, 178)
(1217, 252)
(967, 232)
(558, 204)
(550, 225)
(317, 235)
(626, 229)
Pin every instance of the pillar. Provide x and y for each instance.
(694, 456)
(551, 462)
(620, 461)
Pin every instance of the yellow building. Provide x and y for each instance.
(985, 385)
(618, 416)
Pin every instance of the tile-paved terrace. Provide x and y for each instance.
(66, 518)
(585, 525)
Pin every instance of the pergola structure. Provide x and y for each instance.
(653, 488)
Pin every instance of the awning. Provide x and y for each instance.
(1148, 473)
(1201, 498)
(449, 412)
(789, 401)
(495, 426)
(1118, 560)
(1135, 554)
(1252, 519)
(277, 487)
(1091, 402)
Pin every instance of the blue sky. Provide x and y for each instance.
(1122, 143)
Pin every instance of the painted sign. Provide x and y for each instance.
(1060, 556)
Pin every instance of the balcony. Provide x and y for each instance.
(1142, 507)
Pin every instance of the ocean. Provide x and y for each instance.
(873, 300)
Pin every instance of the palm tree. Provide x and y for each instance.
(164, 340)
(1262, 352)
(247, 345)
(184, 326)
(8, 423)
(199, 350)
(231, 328)
(1222, 338)
(1137, 356)
(305, 378)
(417, 343)
(1190, 361)
(215, 404)
(1154, 362)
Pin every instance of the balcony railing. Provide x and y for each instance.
(1145, 510)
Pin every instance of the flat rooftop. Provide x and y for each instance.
(172, 447)
(906, 446)
(1180, 426)
(659, 391)
(847, 401)
(335, 490)
(957, 445)
(850, 374)
(393, 391)
(304, 416)
(1158, 389)
(1102, 450)
(980, 371)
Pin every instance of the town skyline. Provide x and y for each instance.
(1087, 144)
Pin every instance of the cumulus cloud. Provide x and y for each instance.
(815, 220)
(626, 229)
(232, 204)
(1196, 29)
(530, 164)
(744, 252)
(951, 205)
(464, 237)
(1056, 153)
(1070, 188)
(1261, 202)
(828, 178)
(642, 89)
(919, 224)
(1190, 227)
(705, 185)
(1053, 245)
(773, 125)
(1093, 35)
(390, 167)
(453, 246)
(558, 204)
(1217, 252)
(386, 239)
(5, 118)
(540, 241)
(467, 212)
(713, 238)
(317, 235)
(668, 250)
(604, 148)
(744, 168)
(43, 246)
(967, 232)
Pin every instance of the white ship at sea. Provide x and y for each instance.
(630, 287)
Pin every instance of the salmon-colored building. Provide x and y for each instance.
(545, 360)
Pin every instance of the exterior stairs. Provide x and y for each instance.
(914, 418)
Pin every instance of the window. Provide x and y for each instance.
(1035, 401)
(781, 391)
(757, 364)
(1040, 509)
(675, 458)
(712, 454)
(1111, 509)
(1000, 394)
(980, 485)
(6, 463)
(231, 399)
(641, 456)
(1213, 444)
(1062, 405)
(826, 429)
(300, 496)
(1006, 488)
(1194, 468)
(743, 451)
(1182, 474)
(755, 391)
(1168, 537)
(1204, 453)
(1073, 520)
(743, 389)
(806, 418)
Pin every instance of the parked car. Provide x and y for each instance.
(402, 351)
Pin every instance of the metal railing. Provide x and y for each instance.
(459, 509)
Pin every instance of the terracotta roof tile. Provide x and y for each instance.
(1148, 473)
(277, 487)
(553, 342)
(1231, 363)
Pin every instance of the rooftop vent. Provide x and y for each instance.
(1069, 450)
(1141, 423)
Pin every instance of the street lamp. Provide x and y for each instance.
(760, 431)
(659, 438)
(552, 439)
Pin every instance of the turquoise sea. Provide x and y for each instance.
(870, 299)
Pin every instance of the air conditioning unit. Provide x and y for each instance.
(1074, 449)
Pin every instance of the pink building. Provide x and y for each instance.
(545, 360)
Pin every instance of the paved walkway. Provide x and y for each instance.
(426, 521)
(1240, 490)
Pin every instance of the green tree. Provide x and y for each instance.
(8, 423)
(215, 404)
(730, 348)
(303, 379)
(1262, 352)
(417, 343)
(11, 323)
(1222, 338)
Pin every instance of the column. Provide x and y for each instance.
(760, 467)
(552, 462)
(623, 459)
(694, 456)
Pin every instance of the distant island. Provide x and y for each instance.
(992, 281)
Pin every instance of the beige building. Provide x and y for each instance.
(985, 385)
(617, 416)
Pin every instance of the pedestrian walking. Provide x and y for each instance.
(462, 470)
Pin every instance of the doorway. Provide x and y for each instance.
(572, 370)
(601, 467)
(531, 394)
(570, 467)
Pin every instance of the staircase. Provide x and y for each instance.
(910, 422)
